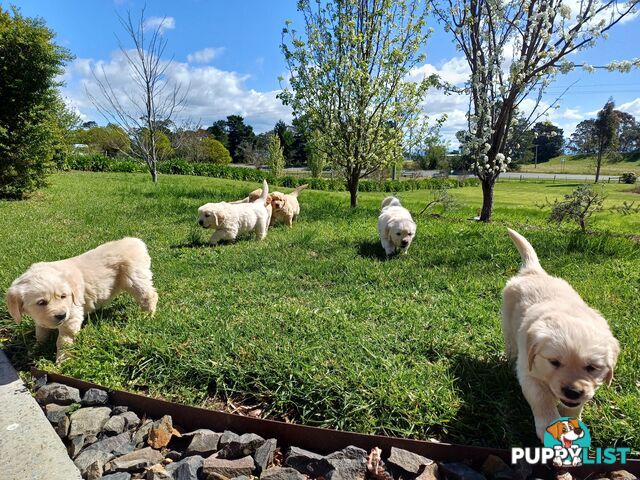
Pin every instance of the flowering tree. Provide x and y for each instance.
(514, 48)
(348, 75)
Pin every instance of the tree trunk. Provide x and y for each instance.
(487, 199)
(154, 172)
(598, 164)
(352, 185)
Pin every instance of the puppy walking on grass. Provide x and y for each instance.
(395, 226)
(57, 295)
(230, 219)
(563, 349)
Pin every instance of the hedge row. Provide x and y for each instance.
(101, 163)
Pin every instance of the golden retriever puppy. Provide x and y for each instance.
(57, 295)
(253, 196)
(286, 207)
(230, 219)
(563, 349)
(395, 226)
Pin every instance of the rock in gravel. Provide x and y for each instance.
(140, 437)
(157, 472)
(88, 421)
(114, 425)
(264, 455)
(74, 445)
(62, 428)
(349, 463)
(94, 397)
(214, 466)
(161, 432)
(493, 464)
(89, 457)
(621, 475)
(40, 382)
(117, 476)
(117, 410)
(94, 471)
(187, 469)
(459, 471)
(300, 459)
(430, 472)
(241, 446)
(408, 461)
(280, 473)
(114, 445)
(204, 442)
(227, 437)
(55, 412)
(131, 419)
(173, 455)
(58, 393)
(136, 460)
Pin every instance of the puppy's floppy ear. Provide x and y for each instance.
(386, 231)
(15, 303)
(555, 430)
(76, 293)
(614, 350)
(533, 342)
(219, 216)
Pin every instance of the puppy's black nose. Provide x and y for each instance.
(201, 222)
(572, 394)
(404, 243)
(60, 316)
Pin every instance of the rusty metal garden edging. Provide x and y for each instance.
(317, 439)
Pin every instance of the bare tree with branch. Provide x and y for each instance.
(147, 108)
(514, 48)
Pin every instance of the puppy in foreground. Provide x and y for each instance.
(563, 349)
(230, 219)
(395, 226)
(57, 295)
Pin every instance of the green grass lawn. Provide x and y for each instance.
(313, 324)
(583, 164)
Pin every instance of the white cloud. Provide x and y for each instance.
(205, 55)
(632, 107)
(162, 23)
(212, 94)
(455, 71)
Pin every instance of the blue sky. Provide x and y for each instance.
(229, 53)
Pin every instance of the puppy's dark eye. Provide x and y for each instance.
(591, 368)
(555, 363)
(206, 214)
(398, 233)
(63, 296)
(42, 303)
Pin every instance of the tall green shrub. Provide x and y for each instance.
(275, 158)
(30, 117)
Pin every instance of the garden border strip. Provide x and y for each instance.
(317, 439)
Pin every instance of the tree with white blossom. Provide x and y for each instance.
(514, 49)
(349, 74)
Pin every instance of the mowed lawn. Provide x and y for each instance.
(583, 164)
(313, 324)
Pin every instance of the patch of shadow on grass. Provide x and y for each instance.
(493, 411)
(372, 250)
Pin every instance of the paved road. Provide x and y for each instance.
(514, 175)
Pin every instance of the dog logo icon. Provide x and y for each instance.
(568, 437)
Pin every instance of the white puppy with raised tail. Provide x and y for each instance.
(230, 219)
(57, 295)
(563, 349)
(395, 226)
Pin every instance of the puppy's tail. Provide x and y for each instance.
(297, 191)
(529, 257)
(391, 202)
(265, 193)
